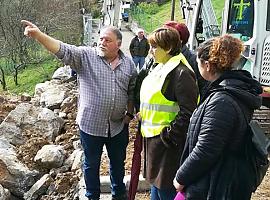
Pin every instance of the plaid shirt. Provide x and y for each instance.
(104, 92)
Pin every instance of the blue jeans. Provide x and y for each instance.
(138, 60)
(116, 148)
(162, 194)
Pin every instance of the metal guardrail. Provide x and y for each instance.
(91, 28)
(211, 27)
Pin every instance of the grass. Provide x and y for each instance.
(153, 21)
(218, 7)
(164, 13)
(31, 76)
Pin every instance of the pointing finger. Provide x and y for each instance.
(26, 23)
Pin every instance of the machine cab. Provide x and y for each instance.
(241, 19)
(248, 20)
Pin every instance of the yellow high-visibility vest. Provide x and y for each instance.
(156, 111)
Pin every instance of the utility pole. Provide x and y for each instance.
(172, 10)
(87, 27)
(117, 12)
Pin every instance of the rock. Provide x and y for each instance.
(49, 123)
(62, 115)
(69, 103)
(53, 97)
(51, 94)
(25, 97)
(69, 161)
(77, 144)
(39, 188)
(77, 164)
(14, 175)
(62, 73)
(50, 156)
(12, 133)
(56, 111)
(2, 99)
(4, 193)
(26, 118)
(40, 88)
(55, 171)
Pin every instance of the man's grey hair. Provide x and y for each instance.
(114, 30)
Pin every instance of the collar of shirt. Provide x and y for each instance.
(120, 52)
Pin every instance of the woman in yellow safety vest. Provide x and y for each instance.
(168, 97)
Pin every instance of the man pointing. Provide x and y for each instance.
(106, 82)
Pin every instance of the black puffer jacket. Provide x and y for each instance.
(212, 166)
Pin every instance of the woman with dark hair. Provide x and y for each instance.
(213, 165)
(168, 97)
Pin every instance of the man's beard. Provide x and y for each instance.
(100, 52)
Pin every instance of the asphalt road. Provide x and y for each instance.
(127, 37)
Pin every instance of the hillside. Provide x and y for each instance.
(153, 20)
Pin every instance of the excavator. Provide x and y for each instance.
(248, 20)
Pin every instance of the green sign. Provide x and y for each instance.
(240, 6)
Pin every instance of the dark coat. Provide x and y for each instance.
(163, 152)
(191, 58)
(139, 48)
(213, 166)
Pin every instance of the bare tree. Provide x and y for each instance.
(3, 65)
(11, 32)
(3, 78)
(59, 18)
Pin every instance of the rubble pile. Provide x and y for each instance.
(40, 150)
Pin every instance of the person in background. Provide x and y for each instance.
(168, 97)
(213, 164)
(190, 56)
(107, 79)
(139, 48)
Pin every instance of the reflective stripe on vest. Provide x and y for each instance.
(156, 111)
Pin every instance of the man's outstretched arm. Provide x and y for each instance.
(31, 30)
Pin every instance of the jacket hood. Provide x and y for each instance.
(241, 85)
